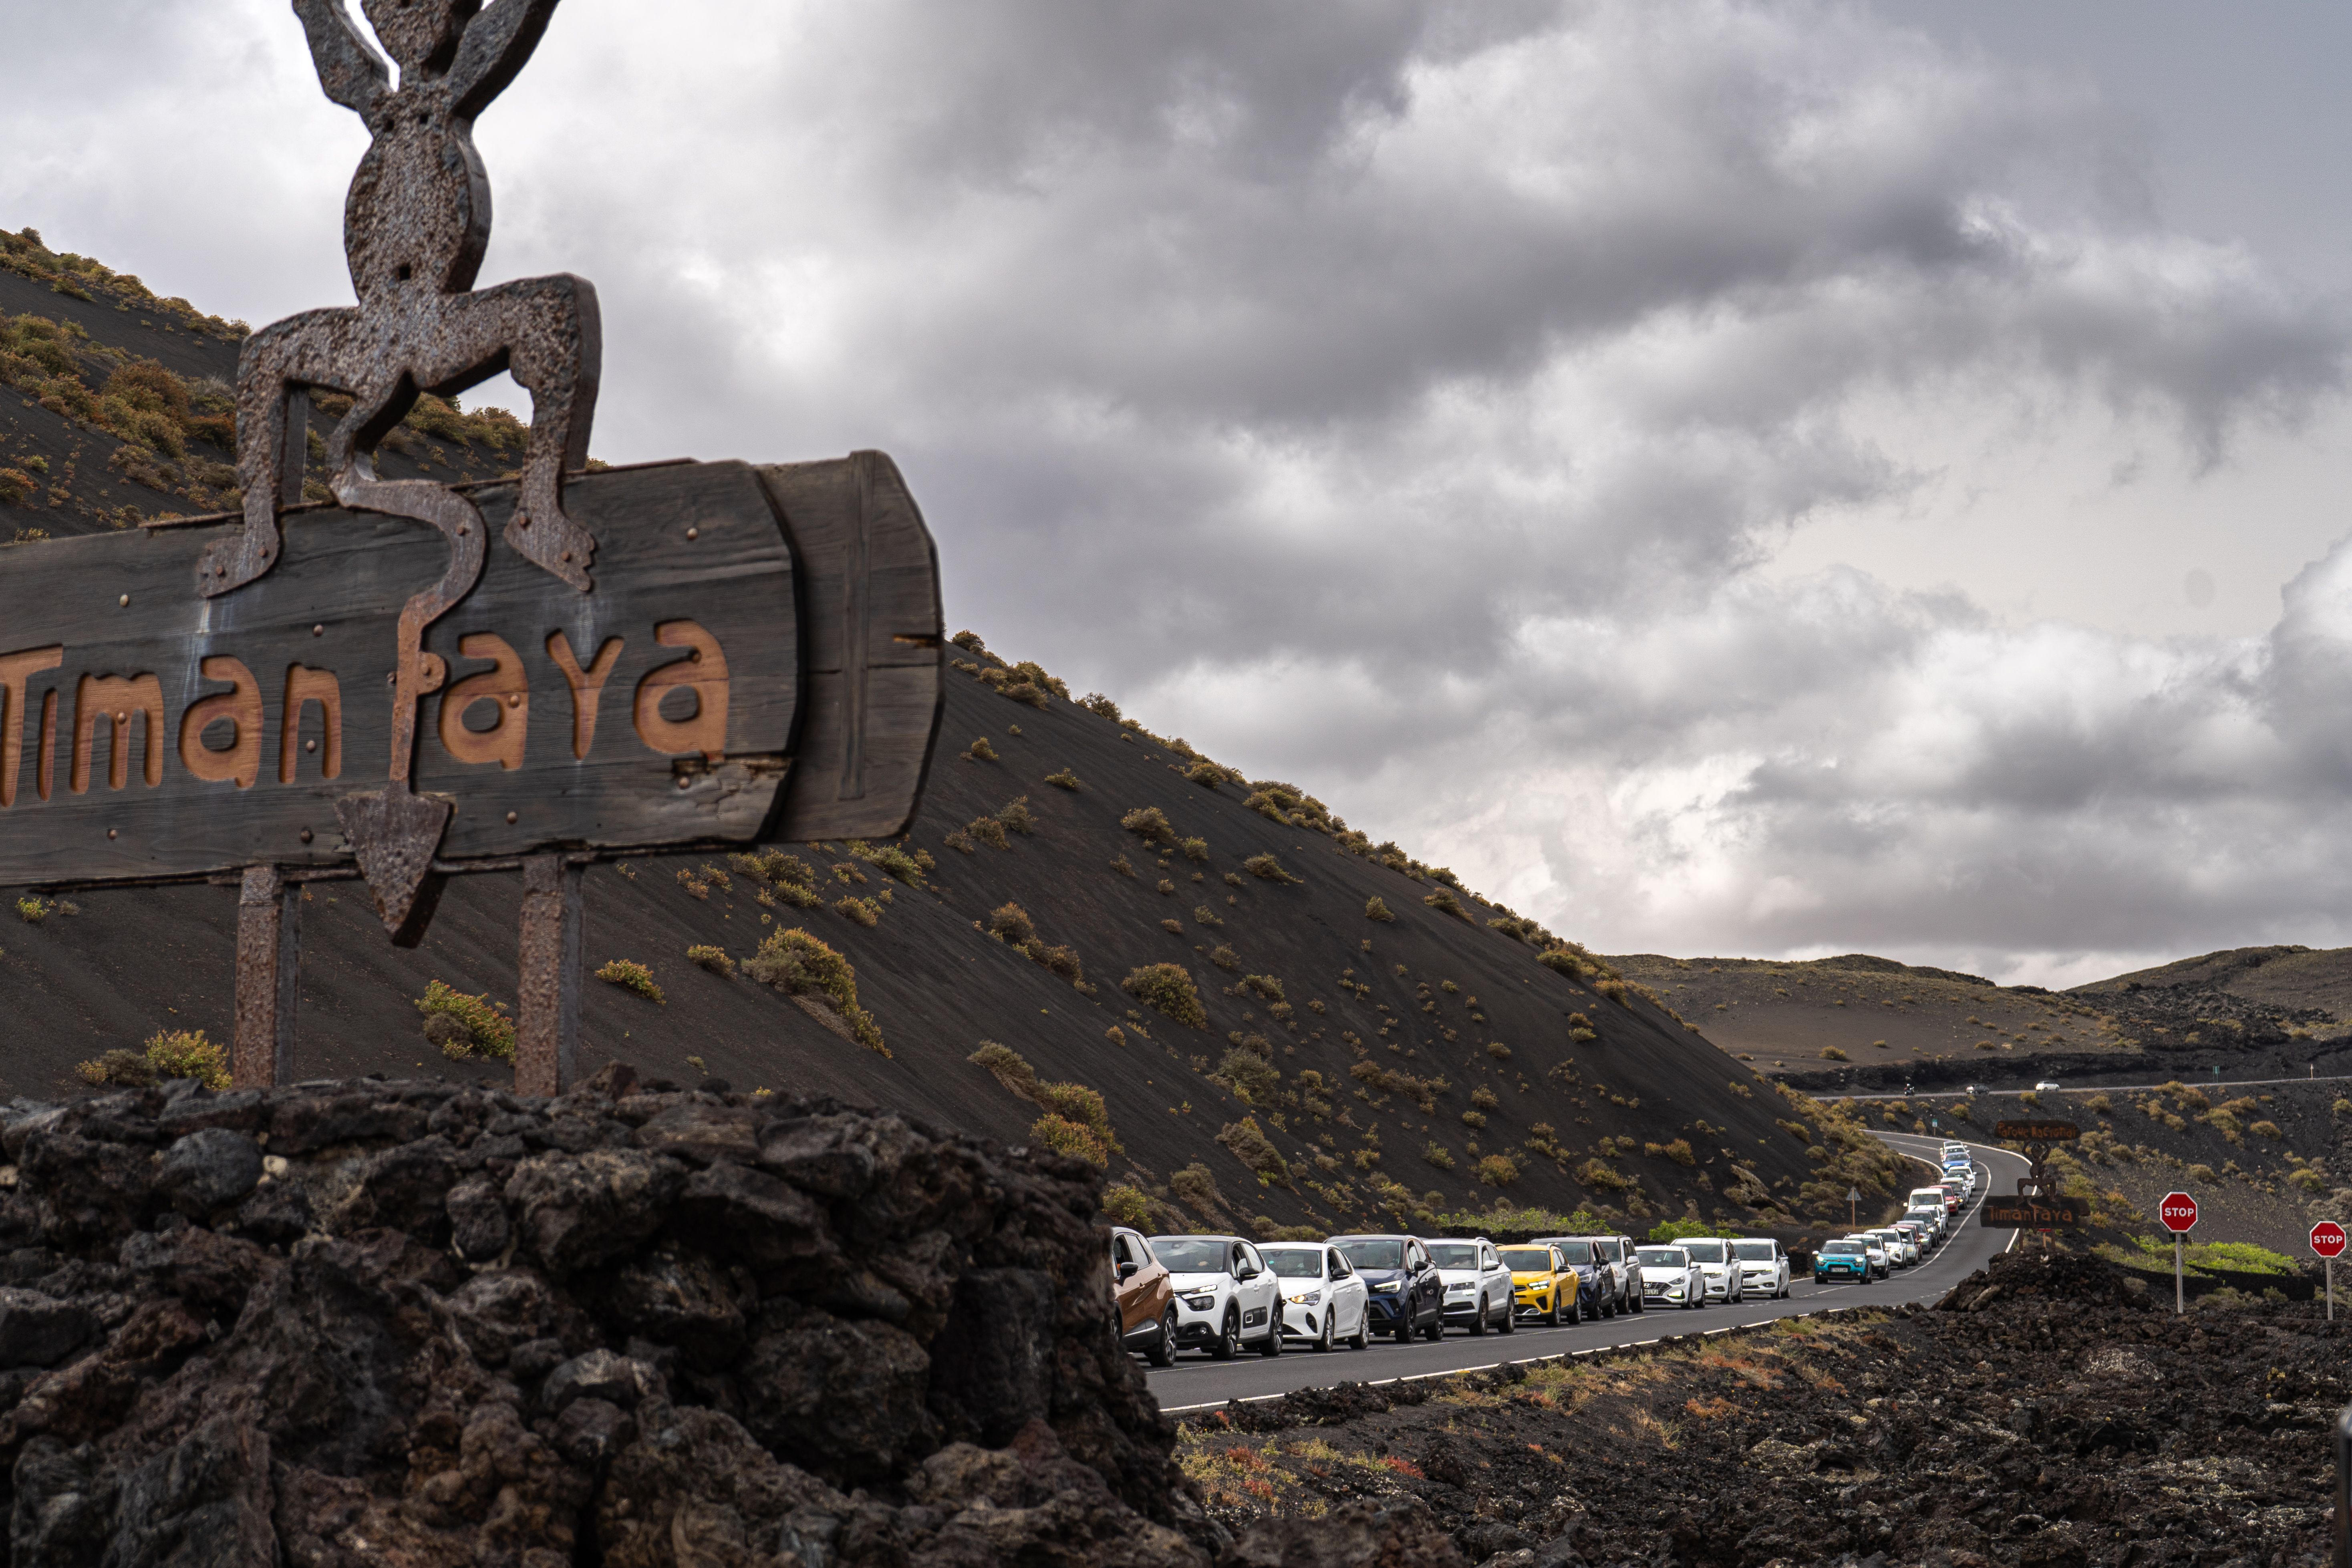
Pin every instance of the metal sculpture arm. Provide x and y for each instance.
(351, 73)
(495, 45)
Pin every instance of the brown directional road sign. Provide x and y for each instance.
(761, 659)
(2024, 1213)
(2035, 1132)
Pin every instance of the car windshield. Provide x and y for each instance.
(1453, 1254)
(1190, 1254)
(1661, 1256)
(1294, 1262)
(1575, 1251)
(1373, 1254)
(1844, 1249)
(1753, 1251)
(1703, 1251)
(1528, 1260)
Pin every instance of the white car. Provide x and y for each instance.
(1763, 1266)
(1921, 1237)
(1929, 1217)
(1477, 1285)
(1899, 1250)
(1881, 1266)
(1322, 1298)
(1670, 1278)
(2046, 1086)
(1725, 1278)
(1225, 1295)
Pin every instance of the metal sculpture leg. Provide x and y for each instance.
(547, 1028)
(269, 978)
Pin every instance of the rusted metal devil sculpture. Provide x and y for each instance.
(416, 226)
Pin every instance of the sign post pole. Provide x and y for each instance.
(2179, 1213)
(2327, 1239)
(1853, 1208)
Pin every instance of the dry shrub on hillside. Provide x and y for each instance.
(1149, 824)
(461, 1025)
(1119, 864)
(858, 911)
(714, 959)
(893, 861)
(1195, 849)
(989, 831)
(1015, 816)
(1166, 988)
(1011, 923)
(1076, 1121)
(630, 976)
(1267, 867)
(1224, 958)
(1593, 1174)
(1423, 1093)
(1581, 1030)
(1444, 903)
(1438, 1154)
(1264, 986)
(1251, 1146)
(1499, 1051)
(804, 967)
(1095, 702)
(1249, 1073)
(1203, 915)
(1067, 780)
(957, 839)
(1498, 1170)
(1374, 909)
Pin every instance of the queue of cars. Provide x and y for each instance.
(1225, 1294)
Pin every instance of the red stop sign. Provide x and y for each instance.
(2327, 1238)
(2179, 1213)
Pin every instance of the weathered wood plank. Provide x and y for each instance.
(872, 648)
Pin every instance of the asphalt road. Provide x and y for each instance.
(1196, 1382)
(2192, 1079)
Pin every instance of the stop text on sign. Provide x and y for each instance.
(2327, 1238)
(2178, 1211)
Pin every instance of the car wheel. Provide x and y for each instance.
(1552, 1318)
(1609, 1307)
(1576, 1309)
(1273, 1345)
(1324, 1343)
(1436, 1329)
(1511, 1324)
(1228, 1343)
(1163, 1354)
(1478, 1320)
(1363, 1335)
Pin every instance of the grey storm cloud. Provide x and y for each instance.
(1406, 399)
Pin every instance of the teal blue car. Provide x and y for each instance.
(1848, 1260)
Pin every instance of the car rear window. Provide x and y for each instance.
(1373, 1254)
(1190, 1254)
(1526, 1259)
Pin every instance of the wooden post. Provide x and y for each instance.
(268, 977)
(547, 1029)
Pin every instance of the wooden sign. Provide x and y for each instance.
(2035, 1132)
(2031, 1213)
(147, 734)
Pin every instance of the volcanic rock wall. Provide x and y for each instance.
(427, 1323)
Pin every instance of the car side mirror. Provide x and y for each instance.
(1129, 1271)
(1245, 1272)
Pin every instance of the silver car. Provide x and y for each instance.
(1763, 1266)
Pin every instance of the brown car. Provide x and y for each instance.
(1147, 1306)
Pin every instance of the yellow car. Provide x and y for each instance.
(1543, 1286)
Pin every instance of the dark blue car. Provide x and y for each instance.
(1406, 1296)
(1842, 1260)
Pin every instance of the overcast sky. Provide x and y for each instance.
(1773, 479)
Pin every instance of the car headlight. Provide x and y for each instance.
(1199, 1304)
(1458, 1289)
(1312, 1297)
(1389, 1288)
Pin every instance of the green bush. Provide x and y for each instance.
(481, 1028)
(989, 831)
(1265, 986)
(894, 862)
(1438, 1154)
(32, 911)
(1166, 988)
(1593, 1174)
(1446, 903)
(1195, 849)
(1252, 1078)
(714, 959)
(631, 975)
(186, 1053)
(1374, 909)
(1679, 1151)
(1067, 780)
(1125, 1205)
(1015, 816)
(1671, 1230)
(1203, 915)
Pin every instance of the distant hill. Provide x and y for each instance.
(1372, 1041)
(2298, 979)
(1804, 1015)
